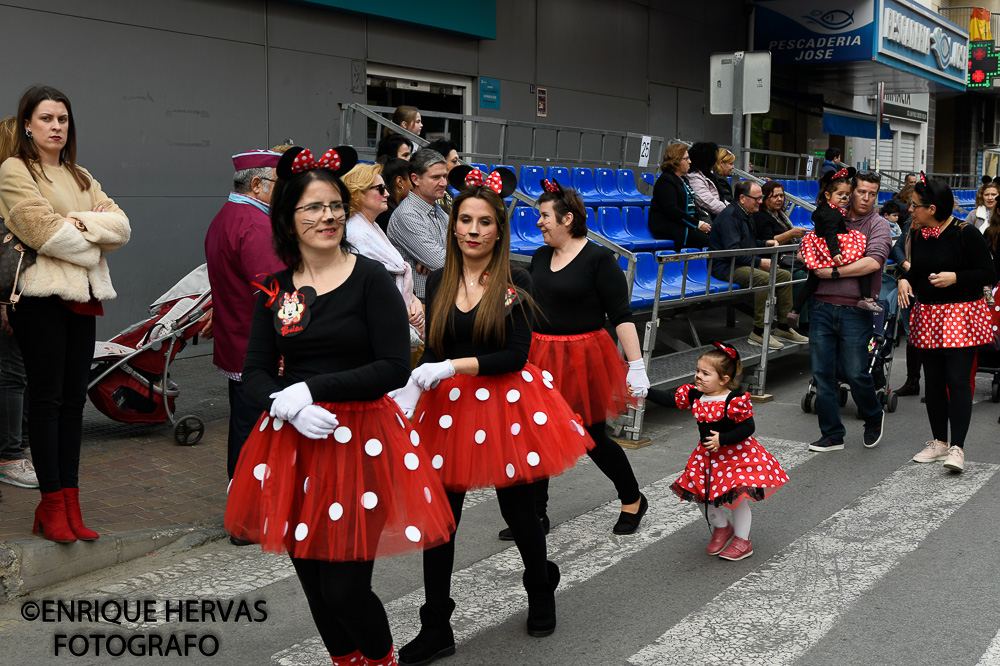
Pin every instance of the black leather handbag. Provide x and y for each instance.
(15, 256)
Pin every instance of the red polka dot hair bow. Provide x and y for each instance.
(929, 232)
(494, 181)
(923, 178)
(841, 174)
(728, 350)
(298, 160)
(552, 186)
(502, 180)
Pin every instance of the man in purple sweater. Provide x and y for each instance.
(839, 330)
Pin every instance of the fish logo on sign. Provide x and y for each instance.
(941, 48)
(835, 19)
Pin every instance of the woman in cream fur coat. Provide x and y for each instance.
(56, 207)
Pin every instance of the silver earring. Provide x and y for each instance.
(28, 132)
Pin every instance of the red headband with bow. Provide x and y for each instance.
(923, 178)
(728, 350)
(551, 186)
(841, 174)
(476, 178)
(305, 161)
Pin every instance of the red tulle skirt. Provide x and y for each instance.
(588, 370)
(816, 254)
(368, 490)
(740, 470)
(951, 325)
(499, 430)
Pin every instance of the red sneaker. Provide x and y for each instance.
(737, 550)
(720, 537)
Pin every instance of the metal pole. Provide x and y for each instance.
(878, 122)
(738, 108)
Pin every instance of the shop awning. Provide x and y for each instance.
(853, 126)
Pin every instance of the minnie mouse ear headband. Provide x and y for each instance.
(846, 172)
(297, 159)
(552, 185)
(922, 177)
(502, 180)
(728, 350)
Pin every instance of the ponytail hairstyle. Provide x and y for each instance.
(726, 361)
(830, 180)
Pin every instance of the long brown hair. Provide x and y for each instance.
(490, 320)
(26, 150)
(992, 233)
(8, 138)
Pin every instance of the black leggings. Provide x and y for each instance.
(348, 614)
(610, 459)
(517, 508)
(949, 391)
(58, 348)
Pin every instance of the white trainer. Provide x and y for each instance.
(20, 473)
(933, 451)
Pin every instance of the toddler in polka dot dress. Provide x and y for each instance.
(729, 465)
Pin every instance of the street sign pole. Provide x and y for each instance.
(878, 122)
(738, 109)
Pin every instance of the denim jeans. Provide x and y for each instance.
(13, 410)
(841, 332)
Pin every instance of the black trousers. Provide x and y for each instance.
(347, 612)
(58, 347)
(517, 506)
(948, 388)
(610, 459)
(243, 414)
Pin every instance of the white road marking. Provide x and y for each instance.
(796, 597)
(489, 592)
(992, 655)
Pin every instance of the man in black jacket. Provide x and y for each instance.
(732, 229)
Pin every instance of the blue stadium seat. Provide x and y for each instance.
(639, 301)
(649, 178)
(812, 187)
(481, 167)
(561, 174)
(626, 185)
(530, 180)
(607, 187)
(583, 183)
(645, 277)
(638, 230)
(526, 237)
(609, 224)
(672, 278)
(698, 271)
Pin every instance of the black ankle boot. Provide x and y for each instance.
(542, 602)
(506, 534)
(435, 640)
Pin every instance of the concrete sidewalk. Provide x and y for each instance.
(138, 489)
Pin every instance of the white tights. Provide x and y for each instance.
(741, 518)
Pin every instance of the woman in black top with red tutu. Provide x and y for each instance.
(488, 417)
(950, 264)
(577, 286)
(340, 325)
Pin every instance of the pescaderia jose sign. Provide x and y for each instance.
(893, 32)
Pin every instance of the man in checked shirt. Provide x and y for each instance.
(418, 225)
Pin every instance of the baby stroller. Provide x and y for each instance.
(880, 352)
(130, 375)
(989, 357)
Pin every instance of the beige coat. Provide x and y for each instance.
(71, 244)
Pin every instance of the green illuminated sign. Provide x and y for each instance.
(983, 65)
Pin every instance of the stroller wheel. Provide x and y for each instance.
(843, 396)
(995, 392)
(893, 401)
(807, 402)
(189, 430)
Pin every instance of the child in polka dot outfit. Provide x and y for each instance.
(738, 466)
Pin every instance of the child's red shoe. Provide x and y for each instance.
(720, 537)
(737, 550)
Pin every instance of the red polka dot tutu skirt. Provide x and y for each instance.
(499, 430)
(816, 254)
(588, 370)
(951, 325)
(739, 470)
(367, 490)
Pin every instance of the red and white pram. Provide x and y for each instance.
(130, 375)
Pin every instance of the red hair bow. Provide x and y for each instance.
(305, 161)
(928, 232)
(494, 181)
(551, 186)
(923, 178)
(840, 174)
(272, 289)
(728, 350)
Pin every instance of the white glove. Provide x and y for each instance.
(290, 401)
(315, 422)
(407, 397)
(428, 375)
(637, 380)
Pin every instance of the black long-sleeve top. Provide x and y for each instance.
(827, 223)
(671, 209)
(577, 298)
(355, 346)
(730, 432)
(960, 249)
(494, 358)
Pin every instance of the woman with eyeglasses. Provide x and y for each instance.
(369, 199)
(950, 263)
(672, 212)
(331, 473)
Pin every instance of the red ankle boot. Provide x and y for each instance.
(353, 659)
(74, 517)
(50, 519)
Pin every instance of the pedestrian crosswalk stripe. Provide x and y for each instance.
(489, 592)
(806, 588)
(992, 655)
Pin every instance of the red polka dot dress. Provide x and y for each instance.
(743, 468)
(369, 489)
(831, 228)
